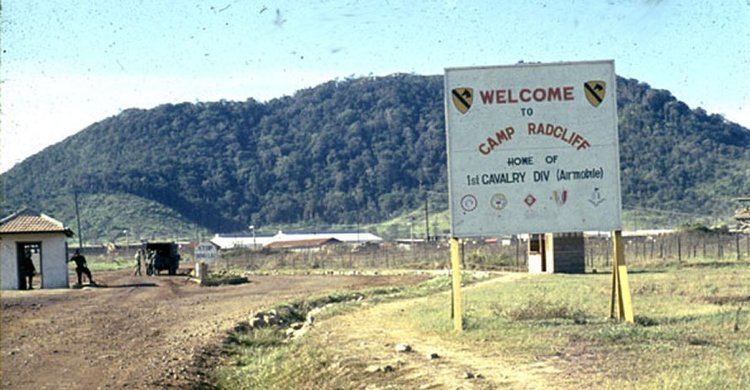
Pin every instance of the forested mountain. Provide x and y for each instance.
(359, 150)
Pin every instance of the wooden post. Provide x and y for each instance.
(78, 223)
(661, 248)
(606, 253)
(737, 241)
(653, 242)
(643, 249)
(670, 243)
(621, 306)
(679, 249)
(456, 284)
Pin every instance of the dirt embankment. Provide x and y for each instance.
(138, 331)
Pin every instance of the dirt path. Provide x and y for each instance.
(139, 331)
(370, 335)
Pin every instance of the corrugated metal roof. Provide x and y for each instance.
(347, 237)
(298, 244)
(235, 242)
(30, 221)
(225, 241)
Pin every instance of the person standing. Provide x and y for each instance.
(138, 259)
(81, 268)
(150, 265)
(27, 271)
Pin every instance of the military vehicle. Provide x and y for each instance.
(161, 256)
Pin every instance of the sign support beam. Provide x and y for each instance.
(620, 305)
(456, 284)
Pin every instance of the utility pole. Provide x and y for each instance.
(426, 220)
(252, 228)
(78, 221)
(127, 243)
(411, 236)
(411, 230)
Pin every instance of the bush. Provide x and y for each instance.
(645, 321)
(541, 309)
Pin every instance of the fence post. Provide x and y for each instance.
(606, 252)
(737, 241)
(661, 248)
(653, 243)
(679, 249)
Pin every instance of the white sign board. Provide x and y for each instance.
(206, 252)
(532, 148)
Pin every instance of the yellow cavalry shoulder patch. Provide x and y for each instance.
(595, 91)
(462, 99)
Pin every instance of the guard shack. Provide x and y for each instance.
(43, 238)
(557, 253)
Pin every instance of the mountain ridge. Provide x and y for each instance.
(354, 151)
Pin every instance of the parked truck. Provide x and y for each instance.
(161, 256)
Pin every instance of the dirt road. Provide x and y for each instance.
(367, 338)
(138, 331)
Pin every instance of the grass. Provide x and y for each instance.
(681, 338)
(400, 226)
(692, 331)
(264, 359)
(101, 263)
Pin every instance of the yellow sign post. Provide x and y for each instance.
(620, 306)
(456, 284)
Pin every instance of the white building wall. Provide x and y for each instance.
(535, 263)
(54, 268)
(8, 264)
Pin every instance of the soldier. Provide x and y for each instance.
(27, 271)
(150, 265)
(138, 257)
(81, 267)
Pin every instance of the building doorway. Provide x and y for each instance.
(538, 248)
(29, 262)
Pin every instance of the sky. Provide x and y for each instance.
(65, 65)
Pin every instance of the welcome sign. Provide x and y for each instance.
(533, 148)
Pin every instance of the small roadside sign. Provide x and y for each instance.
(205, 252)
